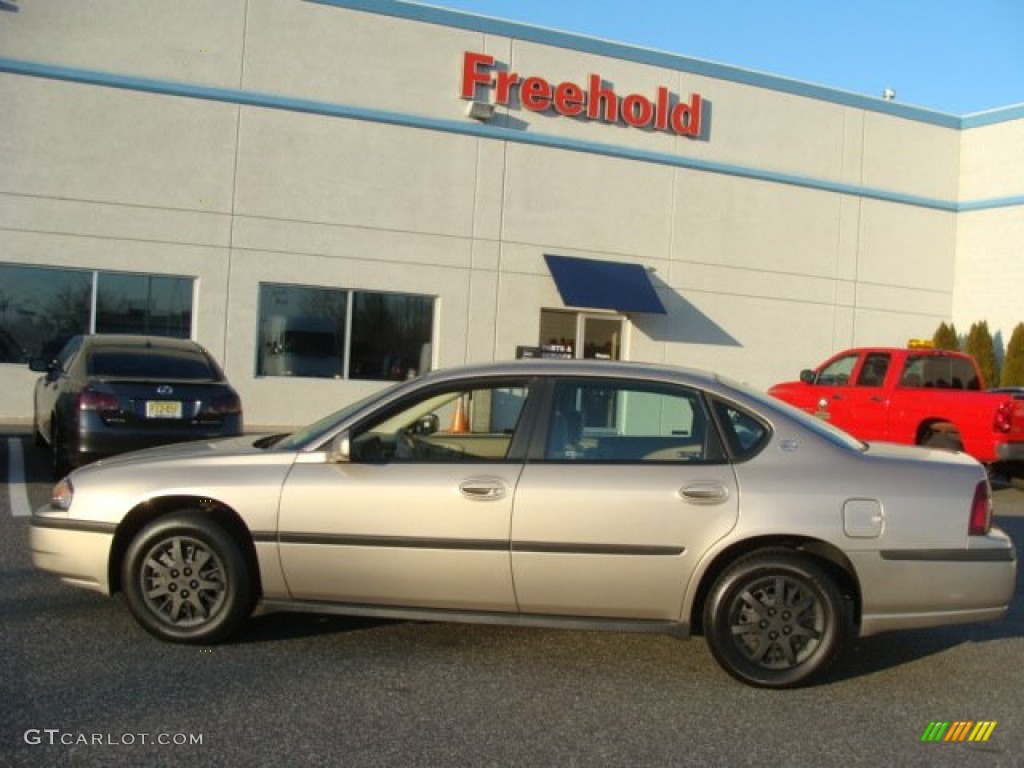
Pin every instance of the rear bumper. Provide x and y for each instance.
(1010, 452)
(918, 589)
(95, 440)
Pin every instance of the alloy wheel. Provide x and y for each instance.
(183, 581)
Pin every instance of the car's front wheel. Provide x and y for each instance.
(775, 619)
(186, 580)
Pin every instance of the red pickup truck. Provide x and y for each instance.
(918, 396)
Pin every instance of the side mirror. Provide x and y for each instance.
(40, 365)
(807, 376)
(341, 449)
(426, 425)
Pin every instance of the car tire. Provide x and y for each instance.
(775, 619)
(60, 461)
(36, 433)
(186, 580)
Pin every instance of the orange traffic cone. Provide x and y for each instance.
(460, 422)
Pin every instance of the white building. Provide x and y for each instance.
(317, 191)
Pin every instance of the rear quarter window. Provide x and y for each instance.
(744, 433)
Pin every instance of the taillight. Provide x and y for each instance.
(1003, 419)
(223, 404)
(981, 510)
(91, 400)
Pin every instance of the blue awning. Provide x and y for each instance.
(604, 284)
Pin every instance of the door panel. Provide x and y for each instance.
(615, 541)
(427, 535)
(862, 408)
(630, 490)
(419, 515)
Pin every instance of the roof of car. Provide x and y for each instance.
(558, 367)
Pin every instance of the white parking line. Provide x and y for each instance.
(16, 479)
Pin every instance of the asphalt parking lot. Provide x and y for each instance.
(81, 684)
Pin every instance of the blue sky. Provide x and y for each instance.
(953, 56)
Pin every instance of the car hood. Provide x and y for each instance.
(228, 447)
(234, 472)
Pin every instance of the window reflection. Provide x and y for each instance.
(390, 335)
(303, 333)
(40, 309)
(151, 305)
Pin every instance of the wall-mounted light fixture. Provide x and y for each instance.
(480, 110)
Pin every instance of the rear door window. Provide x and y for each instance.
(939, 372)
(629, 421)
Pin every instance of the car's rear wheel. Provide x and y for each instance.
(186, 580)
(775, 619)
(59, 459)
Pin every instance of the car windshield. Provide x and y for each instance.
(151, 365)
(823, 428)
(318, 429)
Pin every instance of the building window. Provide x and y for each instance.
(391, 335)
(302, 331)
(152, 305)
(42, 307)
(332, 333)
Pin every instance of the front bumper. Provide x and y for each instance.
(76, 551)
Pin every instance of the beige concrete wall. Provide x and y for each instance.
(763, 250)
(990, 243)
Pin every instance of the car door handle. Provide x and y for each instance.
(483, 489)
(704, 493)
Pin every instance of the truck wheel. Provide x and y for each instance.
(943, 438)
(774, 619)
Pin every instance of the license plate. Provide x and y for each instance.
(163, 409)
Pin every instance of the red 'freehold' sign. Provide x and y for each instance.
(595, 101)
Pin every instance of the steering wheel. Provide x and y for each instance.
(406, 446)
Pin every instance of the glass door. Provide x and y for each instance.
(602, 337)
(581, 335)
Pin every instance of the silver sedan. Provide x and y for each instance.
(575, 494)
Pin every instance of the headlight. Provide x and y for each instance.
(62, 494)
